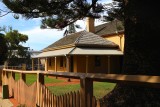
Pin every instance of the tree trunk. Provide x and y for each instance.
(141, 55)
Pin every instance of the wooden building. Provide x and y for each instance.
(84, 51)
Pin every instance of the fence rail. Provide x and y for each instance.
(83, 98)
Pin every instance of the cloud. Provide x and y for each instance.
(41, 38)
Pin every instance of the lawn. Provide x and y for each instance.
(31, 78)
(99, 88)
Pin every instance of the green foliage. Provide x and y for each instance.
(15, 49)
(55, 13)
(3, 49)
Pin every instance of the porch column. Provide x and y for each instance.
(68, 63)
(32, 64)
(120, 42)
(87, 64)
(38, 64)
(109, 64)
(46, 64)
(55, 60)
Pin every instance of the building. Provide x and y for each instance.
(112, 31)
(83, 51)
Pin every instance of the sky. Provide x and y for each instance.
(38, 38)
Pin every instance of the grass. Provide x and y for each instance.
(59, 90)
(30, 79)
(99, 88)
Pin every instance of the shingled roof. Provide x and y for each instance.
(109, 28)
(82, 39)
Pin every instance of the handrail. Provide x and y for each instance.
(86, 81)
(114, 78)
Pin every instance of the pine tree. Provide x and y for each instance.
(141, 50)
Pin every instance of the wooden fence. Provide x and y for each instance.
(38, 95)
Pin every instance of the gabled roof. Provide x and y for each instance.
(69, 39)
(82, 39)
(109, 28)
(88, 39)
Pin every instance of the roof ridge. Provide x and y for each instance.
(77, 40)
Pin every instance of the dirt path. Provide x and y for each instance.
(73, 81)
(11, 102)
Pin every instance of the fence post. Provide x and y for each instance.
(13, 75)
(40, 80)
(86, 91)
(23, 76)
(5, 89)
(5, 77)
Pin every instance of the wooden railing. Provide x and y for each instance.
(85, 97)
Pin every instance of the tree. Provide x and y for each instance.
(3, 49)
(15, 51)
(141, 51)
(54, 16)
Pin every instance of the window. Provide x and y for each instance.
(61, 61)
(97, 61)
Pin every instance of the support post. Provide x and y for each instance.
(5, 88)
(86, 91)
(46, 64)
(32, 64)
(55, 60)
(55, 65)
(68, 65)
(87, 64)
(38, 64)
(13, 75)
(109, 65)
(40, 81)
(5, 77)
(23, 76)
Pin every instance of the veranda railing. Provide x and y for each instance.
(42, 97)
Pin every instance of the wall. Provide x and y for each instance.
(118, 39)
(98, 69)
(52, 66)
(79, 64)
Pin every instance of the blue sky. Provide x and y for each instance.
(38, 38)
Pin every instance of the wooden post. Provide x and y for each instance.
(5, 88)
(5, 77)
(13, 75)
(87, 64)
(23, 76)
(68, 65)
(86, 91)
(109, 65)
(38, 65)
(55, 60)
(46, 64)
(55, 65)
(40, 81)
(32, 64)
